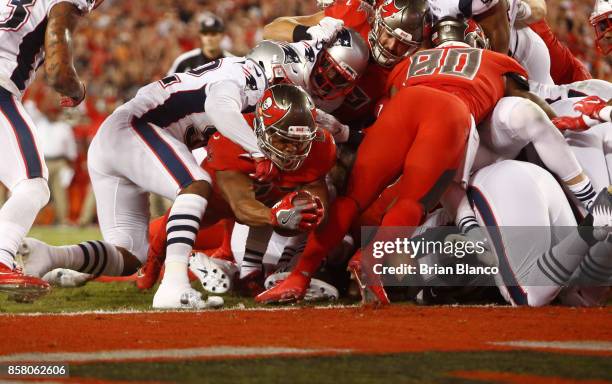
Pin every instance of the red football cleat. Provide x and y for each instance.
(289, 290)
(21, 287)
(371, 288)
(149, 273)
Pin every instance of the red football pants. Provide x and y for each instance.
(421, 134)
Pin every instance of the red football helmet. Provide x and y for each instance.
(285, 125)
(601, 20)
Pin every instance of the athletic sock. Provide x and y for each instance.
(252, 261)
(584, 192)
(92, 257)
(182, 228)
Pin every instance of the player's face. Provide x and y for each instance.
(604, 29)
(290, 147)
(393, 44)
(211, 40)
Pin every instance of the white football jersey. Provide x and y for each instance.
(455, 8)
(178, 102)
(22, 35)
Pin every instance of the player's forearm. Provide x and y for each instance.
(61, 74)
(251, 212)
(496, 27)
(284, 28)
(280, 29)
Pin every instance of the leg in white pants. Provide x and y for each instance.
(23, 172)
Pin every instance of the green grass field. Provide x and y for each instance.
(418, 367)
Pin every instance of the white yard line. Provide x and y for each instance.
(578, 345)
(157, 354)
(136, 311)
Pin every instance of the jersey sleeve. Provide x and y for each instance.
(226, 101)
(354, 13)
(224, 155)
(84, 6)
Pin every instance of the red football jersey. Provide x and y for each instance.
(356, 14)
(360, 103)
(224, 154)
(474, 75)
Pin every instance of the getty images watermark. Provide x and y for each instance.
(440, 256)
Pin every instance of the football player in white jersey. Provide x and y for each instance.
(145, 146)
(31, 32)
(532, 231)
(327, 71)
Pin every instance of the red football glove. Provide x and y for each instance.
(69, 102)
(265, 170)
(298, 211)
(570, 123)
(590, 106)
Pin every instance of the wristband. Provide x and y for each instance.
(300, 32)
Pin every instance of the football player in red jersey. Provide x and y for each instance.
(285, 126)
(394, 30)
(420, 135)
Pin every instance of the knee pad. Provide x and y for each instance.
(405, 212)
(36, 190)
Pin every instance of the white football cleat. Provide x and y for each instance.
(35, 256)
(171, 296)
(66, 278)
(215, 275)
(317, 291)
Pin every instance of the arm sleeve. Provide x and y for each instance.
(224, 101)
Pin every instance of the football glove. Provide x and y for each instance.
(570, 123)
(298, 211)
(326, 30)
(69, 102)
(265, 170)
(590, 106)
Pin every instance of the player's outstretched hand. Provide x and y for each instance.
(265, 170)
(70, 102)
(326, 30)
(590, 106)
(299, 210)
(571, 123)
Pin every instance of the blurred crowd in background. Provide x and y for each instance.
(124, 45)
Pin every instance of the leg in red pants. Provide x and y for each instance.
(421, 133)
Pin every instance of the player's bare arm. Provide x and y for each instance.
(61, 74)
(283, 28)
(517, 86)
(496, 27)
(237, 190)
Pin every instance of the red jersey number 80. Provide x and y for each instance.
(461, 62)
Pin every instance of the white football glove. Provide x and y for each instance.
(339, 131)
(326, 30)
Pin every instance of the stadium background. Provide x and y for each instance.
(124, 45)
(107, 332)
